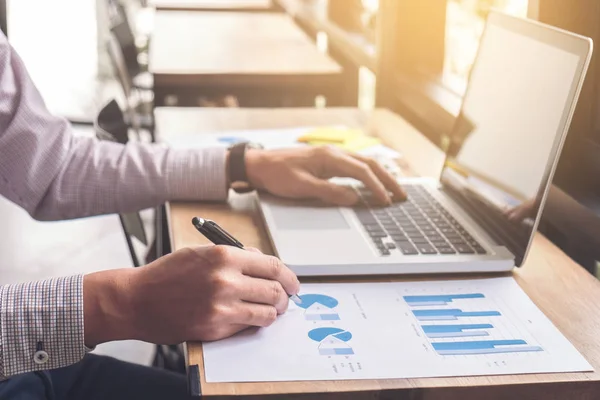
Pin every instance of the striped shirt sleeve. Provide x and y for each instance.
(54, 175)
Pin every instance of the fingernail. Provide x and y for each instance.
(387, 201)
(402, 197)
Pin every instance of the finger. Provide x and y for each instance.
(264, 291)
(388, 180)
(253, 249)
(516, 214)
(268, 267)
(327, 191)
(338, 163)
(254, 314)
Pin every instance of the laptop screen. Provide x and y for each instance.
(515, 113)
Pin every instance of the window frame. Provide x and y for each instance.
(419, 94)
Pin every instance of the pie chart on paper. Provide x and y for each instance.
(332, 341)
(319, 307)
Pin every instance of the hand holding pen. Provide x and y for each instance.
(219, 236)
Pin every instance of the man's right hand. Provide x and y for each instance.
(205, 293)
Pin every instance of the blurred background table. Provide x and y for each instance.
(263, 59)
(212, 5)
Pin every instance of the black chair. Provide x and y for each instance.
(110, 124)
(139, 111)
(121, 29)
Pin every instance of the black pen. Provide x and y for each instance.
(218, 235)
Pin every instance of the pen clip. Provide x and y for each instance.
(225, 234)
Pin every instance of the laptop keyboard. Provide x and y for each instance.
(420, 225)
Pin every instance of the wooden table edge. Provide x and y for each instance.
(215, 9)
(202, 6)
(250, 80)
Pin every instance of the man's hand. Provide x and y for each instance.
(304, 173)
(524, 210)
(205, 293)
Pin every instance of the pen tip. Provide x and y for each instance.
(296, 299)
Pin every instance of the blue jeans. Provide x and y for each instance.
(97, 378)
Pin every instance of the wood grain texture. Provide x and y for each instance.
(235, 49)
(212, 5)
(563, 290)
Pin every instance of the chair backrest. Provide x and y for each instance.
(121, 28)
(110, 125)
(125, 80)
(117, 60)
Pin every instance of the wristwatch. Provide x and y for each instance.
(238, 179)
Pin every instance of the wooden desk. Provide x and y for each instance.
(212, 5)
(262, 58)
(566, 293)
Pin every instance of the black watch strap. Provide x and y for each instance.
(237, 168)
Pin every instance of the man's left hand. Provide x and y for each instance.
(304, 173)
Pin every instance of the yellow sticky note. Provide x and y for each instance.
(329, 135)
(355, 144)
(359, 143)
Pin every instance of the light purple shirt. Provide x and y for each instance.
(54, 175)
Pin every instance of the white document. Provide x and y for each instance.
(269, 138)
(398, 330)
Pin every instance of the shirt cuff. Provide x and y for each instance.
(41, 325)
(197, 174)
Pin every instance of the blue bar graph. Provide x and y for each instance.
(439, 300)
(450, 331)
(450, 314)
(482, 336)
(484, 347)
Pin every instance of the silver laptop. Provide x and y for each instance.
(504, 149)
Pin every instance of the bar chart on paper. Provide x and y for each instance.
(441, 321)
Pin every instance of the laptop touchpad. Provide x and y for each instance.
(308, 218)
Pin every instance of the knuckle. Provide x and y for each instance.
(275, 266)
(283, 308)
(270, 315)
(275, 292)
(219, 254)
(364, 168)
(363, 172)
(221, 282)
(215, 313)
(250, 314)
(325, 151)
(372, 163)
